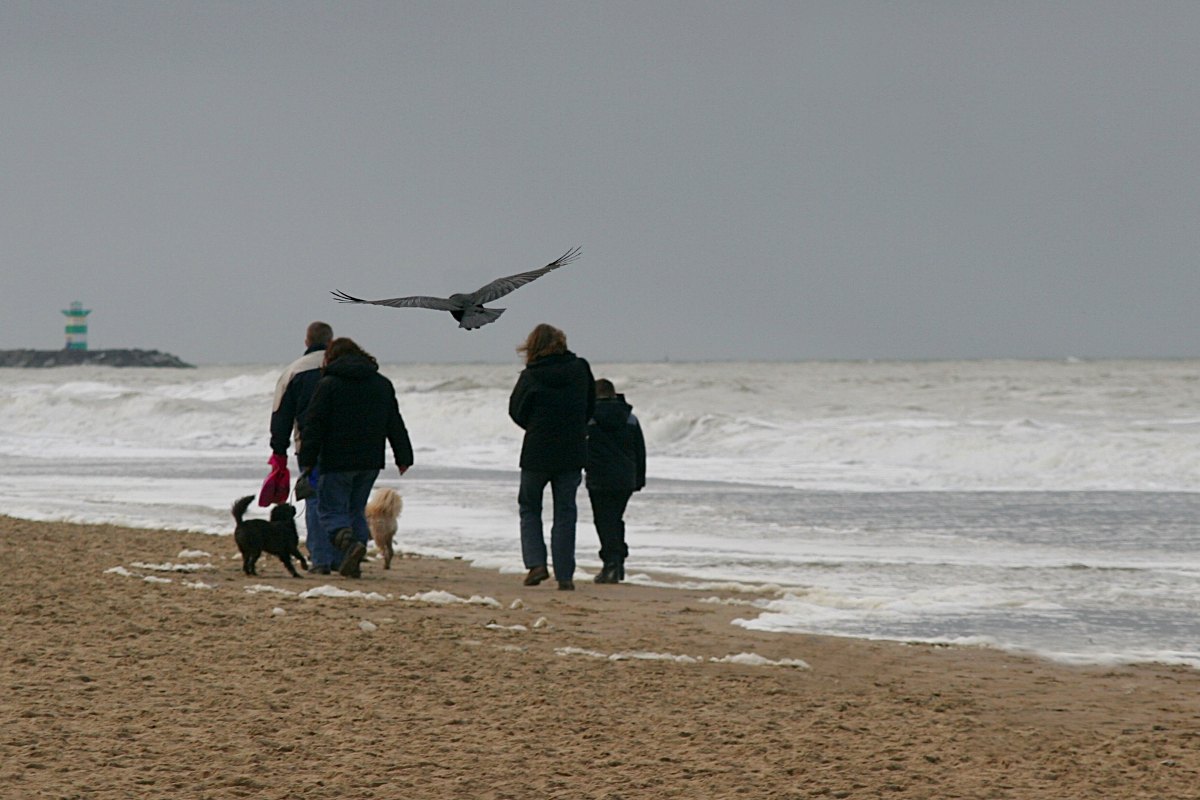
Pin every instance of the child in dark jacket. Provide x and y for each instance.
(616, 468)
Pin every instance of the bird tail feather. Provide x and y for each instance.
(477, 319)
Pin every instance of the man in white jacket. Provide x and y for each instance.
(293, 392)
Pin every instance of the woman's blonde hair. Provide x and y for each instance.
(544, 340)
(345, 346)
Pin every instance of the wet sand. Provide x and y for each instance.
(114, 686)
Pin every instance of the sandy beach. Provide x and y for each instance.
(140, 682)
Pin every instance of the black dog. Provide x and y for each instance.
(277, 537)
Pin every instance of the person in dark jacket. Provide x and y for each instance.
(553, 401)
(616, 468)
(293, 392)
(352, 412)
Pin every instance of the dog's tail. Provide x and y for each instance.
(239, 508)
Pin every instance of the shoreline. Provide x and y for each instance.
(117, 685)
(731, 588)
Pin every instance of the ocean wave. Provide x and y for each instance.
(889, 427)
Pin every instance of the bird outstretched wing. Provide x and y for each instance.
(436, 303)
(502, 286)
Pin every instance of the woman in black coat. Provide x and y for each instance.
(352, 413)
(553, 401)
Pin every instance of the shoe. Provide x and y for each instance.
(343, 538)
(607, 575)
(320, 569)
(350, 562)
(536, 575)
(566, 586)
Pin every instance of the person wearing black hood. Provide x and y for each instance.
(616, 468)
(552, 401)
(352, 412)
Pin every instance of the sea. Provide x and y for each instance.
(1043, 507)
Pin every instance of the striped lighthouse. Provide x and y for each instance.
(77, 326)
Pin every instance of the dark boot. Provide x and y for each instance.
(536, 575)
(608, 574)
(352, 561)
(342, 539)
(352, 553)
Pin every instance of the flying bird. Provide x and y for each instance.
(468, 308)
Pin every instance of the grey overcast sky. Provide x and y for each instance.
(749, 180)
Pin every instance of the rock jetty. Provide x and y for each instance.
(103, 358)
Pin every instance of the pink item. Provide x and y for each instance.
(277, 485)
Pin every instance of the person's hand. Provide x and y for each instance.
(403, 468)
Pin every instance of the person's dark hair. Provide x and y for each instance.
(318, 333)
(345, 347)
(605, 388)
(544, 340)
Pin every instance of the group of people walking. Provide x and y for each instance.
(333, 404)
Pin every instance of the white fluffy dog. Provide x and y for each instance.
(382, 513)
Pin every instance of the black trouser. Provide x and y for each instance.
(608, 510)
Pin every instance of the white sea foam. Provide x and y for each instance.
(439, 597)
(842, 426)
(744, 659)
(635, 655)
(193, 554)
(266, 588)
(170, 567)
(338, 592)
(198, 585)
(755, 660)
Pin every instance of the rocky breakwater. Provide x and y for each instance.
(103, 358)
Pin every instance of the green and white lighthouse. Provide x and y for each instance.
(77, 326)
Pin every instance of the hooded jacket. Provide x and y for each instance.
(352, 412)
(616, 449)
(553, 401)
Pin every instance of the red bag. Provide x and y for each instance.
(277, 485)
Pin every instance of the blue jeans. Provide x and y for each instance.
(321, 551)
(562, 532)
(342, 500)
